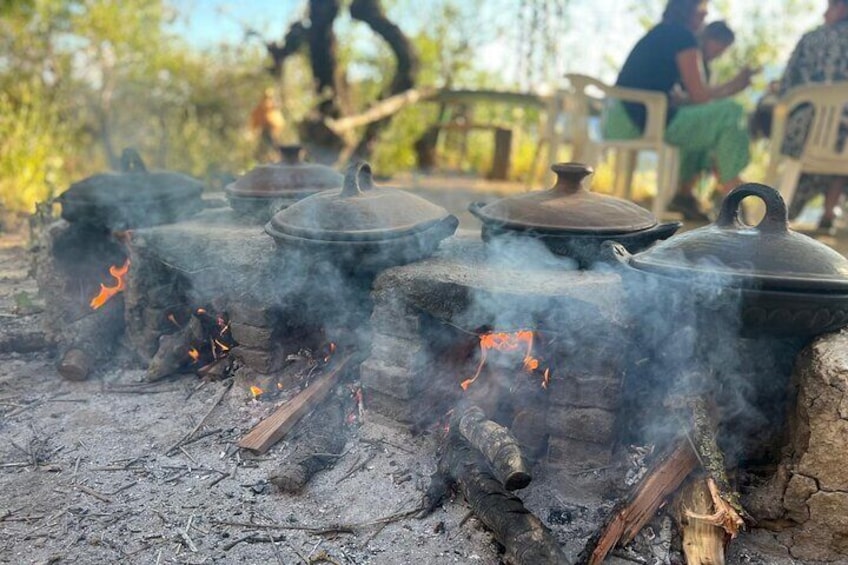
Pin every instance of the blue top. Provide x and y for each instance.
(652, 65)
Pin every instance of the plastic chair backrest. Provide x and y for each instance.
(829, 102)
(656, 104)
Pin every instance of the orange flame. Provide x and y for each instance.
(194, 354)
(255, 391)
(503, 341)
(107, 292)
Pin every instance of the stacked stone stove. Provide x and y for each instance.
(425, 323)
(276, 302)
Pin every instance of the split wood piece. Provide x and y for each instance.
(728, 512)
(527, 541)
(90, 340)
(498, 446)
(703, 541)
(660, 482)
(318, 447)
(173, 354)
(270, 430)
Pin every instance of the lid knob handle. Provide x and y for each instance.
(291, 154)
(131, 161)
(570, 176)
(357, 179)
(776, 219)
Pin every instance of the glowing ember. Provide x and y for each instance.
(194, 354)
(256, 391)
(503, 341)
(107, 292)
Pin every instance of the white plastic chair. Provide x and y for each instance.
(820, 154)
(555, 130)
(626, 150)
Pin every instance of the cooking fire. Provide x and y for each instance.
(592, 393)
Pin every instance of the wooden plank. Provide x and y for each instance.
(270, 430)
(661, 481)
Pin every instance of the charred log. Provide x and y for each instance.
(316, 448)
(173, 352)
(525, 538)
(498, 446)
(728, 511)
(90, 340)
(628, 518)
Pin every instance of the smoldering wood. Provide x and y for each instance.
(525, 538)
(173, 354)
(273, 428)
(702, 422)
(317, 447)
(497, 445)
(703, 541)
(90, 340)
(627, 518)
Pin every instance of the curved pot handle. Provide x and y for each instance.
(776, 218)
(476, 209)
(357, 179)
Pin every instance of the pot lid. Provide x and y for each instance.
(360, 211)
(134, 185)
(568, 207)
(292, 176)
(767, 256)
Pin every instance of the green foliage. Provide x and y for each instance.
(31, 134)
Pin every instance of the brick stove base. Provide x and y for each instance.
(418, 307)
(277, 301)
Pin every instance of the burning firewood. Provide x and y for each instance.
(728, 512)
(497, 445)
(318, 447)
(270, 430)
(703, 540)
(627, 519)
(708, 509)
(175, 350)
(525, 538)
(90, 340)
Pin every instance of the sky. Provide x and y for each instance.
(601, 34)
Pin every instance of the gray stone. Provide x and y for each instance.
(391, 317)
(396, 381)
(586, 424)
(253, 313)
(472, 284)
(396, 351)
(252, 336)
(260, 360)
(798, 492)
(821, 434)
(397, 409)
(824, 537)
(576, 454)
(585, 391)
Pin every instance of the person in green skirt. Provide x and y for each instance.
(707, 123)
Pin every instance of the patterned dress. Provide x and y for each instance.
(821, 56)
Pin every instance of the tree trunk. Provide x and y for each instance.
(371, 12)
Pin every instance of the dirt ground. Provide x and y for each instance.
(85, 475)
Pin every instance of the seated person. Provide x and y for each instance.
(714, 40)
(821, 55)
(669, 54)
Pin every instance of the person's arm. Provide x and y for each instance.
(737, 84)
(692, 75)
(690, 66)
